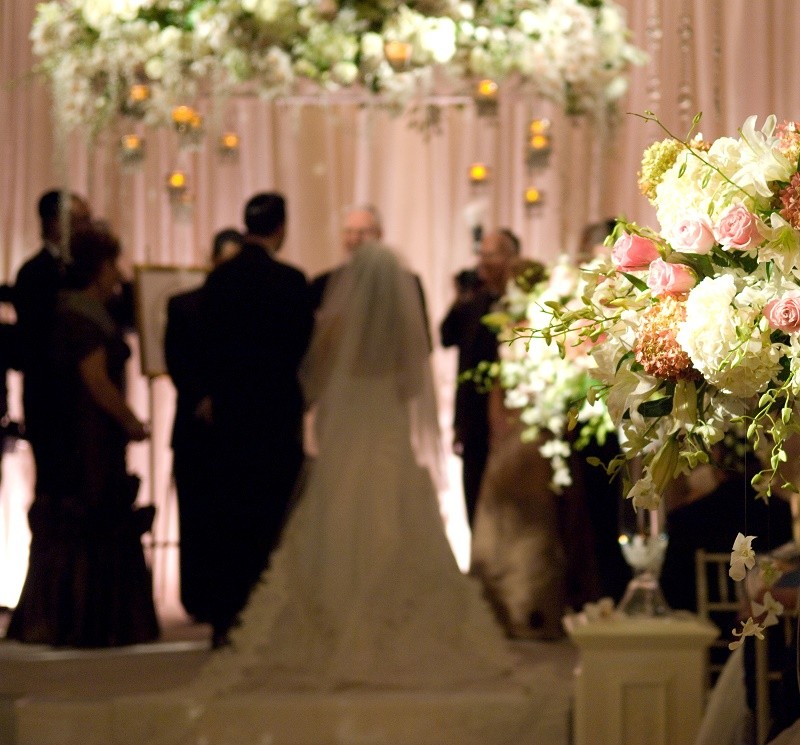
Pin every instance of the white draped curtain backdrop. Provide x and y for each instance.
(726, 58)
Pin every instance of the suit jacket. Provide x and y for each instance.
(183, 353)
(320, 283)
(258, 320)
(462, 327)
(38, 283)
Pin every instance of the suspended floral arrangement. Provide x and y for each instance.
(576, 53)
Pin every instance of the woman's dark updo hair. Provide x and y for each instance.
(90, 249)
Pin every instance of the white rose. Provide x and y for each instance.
(481, 34)
(439, 39)
(127, 10)
(307, 17)
(95, 11)
(154, 68)
(344, 73)
(372, 45)
(529, 22)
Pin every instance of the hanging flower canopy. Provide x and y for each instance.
(576, 53)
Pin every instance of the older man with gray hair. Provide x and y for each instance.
(362, 224)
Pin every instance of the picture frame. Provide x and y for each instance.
(153, 286)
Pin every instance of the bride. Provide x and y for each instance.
(363, 590)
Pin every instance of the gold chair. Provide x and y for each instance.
(766, 674)
(719, 600)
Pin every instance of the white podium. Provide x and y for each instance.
(641, 681)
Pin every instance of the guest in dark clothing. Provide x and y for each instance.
(87, 583)
(258, 320)
(38, 283)
(463, 327)
(192, 450)
(711, 523)
(602, 498)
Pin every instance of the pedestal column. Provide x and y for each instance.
(641, 681)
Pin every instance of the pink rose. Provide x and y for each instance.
(738, 229)
(694, 235)
(633, 253)
(670, 279)
(783, 313)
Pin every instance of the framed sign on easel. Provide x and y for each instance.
(153, 287)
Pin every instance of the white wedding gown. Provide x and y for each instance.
(363, 591)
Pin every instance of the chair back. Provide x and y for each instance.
(719, 600)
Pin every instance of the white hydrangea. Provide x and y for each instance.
(726, 338)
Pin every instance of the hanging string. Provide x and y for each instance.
(685, 37)
(654, 34)
(716, 69)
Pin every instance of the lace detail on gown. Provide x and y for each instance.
(364, 588)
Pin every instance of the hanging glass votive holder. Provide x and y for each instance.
(478, 173)
(485, 97)
(135, 103)
(131, 150)
(229, 145)
(398, 54)
(540, 144)
(533, 198)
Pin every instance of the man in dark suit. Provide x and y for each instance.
(192, 451)
(38, 282)
(463, 328)
(258, 320)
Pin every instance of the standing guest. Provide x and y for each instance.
(362, 225)
(87, 583)
(463, 328)
(258, 320)
(192, 452)
(38, 282)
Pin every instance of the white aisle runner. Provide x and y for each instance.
(124, 697)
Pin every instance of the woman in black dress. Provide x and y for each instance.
(88, 584)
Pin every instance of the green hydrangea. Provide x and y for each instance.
(656, 161)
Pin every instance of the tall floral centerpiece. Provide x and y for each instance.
(700, 320)
(574, 52)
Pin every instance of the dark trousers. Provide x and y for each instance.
(191, 468)
(473, 456)
(254, 486)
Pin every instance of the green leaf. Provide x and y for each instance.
(627, 356)
(656, 408)
(638, 283)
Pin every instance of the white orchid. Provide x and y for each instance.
(771, 607)
(749, 628)
(742, 557)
